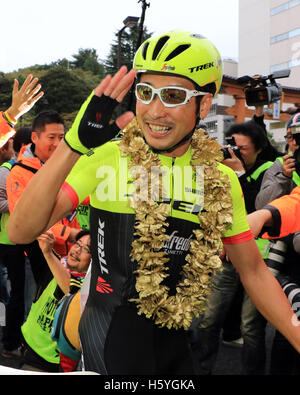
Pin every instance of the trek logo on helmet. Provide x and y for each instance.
(202, 67)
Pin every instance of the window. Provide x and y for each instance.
(283, 7)
(285, 65)
(285, 36)
(279, 9)
(213, 109)
(212, 126)
(280, 37)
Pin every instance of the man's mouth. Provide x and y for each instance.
(75, 257)
(158, 129)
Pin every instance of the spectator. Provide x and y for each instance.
(251, 142)
(22, 138)
(280, 179)
(47, 131)
(270, 152)
(12, 256)
(64, 277)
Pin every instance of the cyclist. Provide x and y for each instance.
(139, 307)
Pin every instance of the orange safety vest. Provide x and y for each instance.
(17, 180)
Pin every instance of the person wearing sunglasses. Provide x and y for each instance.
(153, 254)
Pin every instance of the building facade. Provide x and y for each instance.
(216, 121)
(269, 38)
(269, 41)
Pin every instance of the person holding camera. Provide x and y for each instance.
(245, 159)
(280, 179)
(270, 152)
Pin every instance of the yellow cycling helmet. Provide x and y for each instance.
(184, 54)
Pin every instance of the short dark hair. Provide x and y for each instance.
(82, 233)
(22, 136)
(44, 118)
(251, 129)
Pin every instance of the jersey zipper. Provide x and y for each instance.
(172, 186)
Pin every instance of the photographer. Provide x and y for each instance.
(280, 179)
(245, 159)
(270, 152)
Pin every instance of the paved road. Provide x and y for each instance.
(228, 360)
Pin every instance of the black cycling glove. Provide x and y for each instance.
(92, 126)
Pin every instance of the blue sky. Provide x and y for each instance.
(39, 32)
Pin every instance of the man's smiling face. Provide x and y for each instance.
(163, 127)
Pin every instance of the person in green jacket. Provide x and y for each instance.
(65, 276)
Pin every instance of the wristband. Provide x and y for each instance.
(9, 119)
(240, 173)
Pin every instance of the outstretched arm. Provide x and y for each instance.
(42, 202)
(264, 290)
(60, 273)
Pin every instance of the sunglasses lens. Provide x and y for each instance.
(173, 96)
(144, 93)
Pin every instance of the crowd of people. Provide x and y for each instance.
(138, 277)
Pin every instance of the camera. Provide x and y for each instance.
(260, 90)
(276, 257)
(292, 292)
(232, 145)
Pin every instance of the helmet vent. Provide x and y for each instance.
(159, 45)
(145, 49)
(177, 51)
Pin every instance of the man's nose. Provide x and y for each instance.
(56, 141)
(157, 108)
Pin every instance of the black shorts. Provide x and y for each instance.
(134, 345)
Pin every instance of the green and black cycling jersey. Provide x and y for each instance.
(103, 175)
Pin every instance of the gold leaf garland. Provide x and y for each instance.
(176, 311)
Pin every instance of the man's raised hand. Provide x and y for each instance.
(93, 125)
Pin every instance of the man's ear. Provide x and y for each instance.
(205, 105)
(34, 137)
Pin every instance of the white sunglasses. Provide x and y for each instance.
(170, 96)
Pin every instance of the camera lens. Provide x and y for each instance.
(276, 257)
(226, 153)
(292, 291)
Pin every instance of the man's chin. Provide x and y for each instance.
(156, 145)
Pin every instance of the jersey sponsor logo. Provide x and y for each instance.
(167, 68)
(101, 252)
(187, 207)
(103, 287)
(177, 245)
